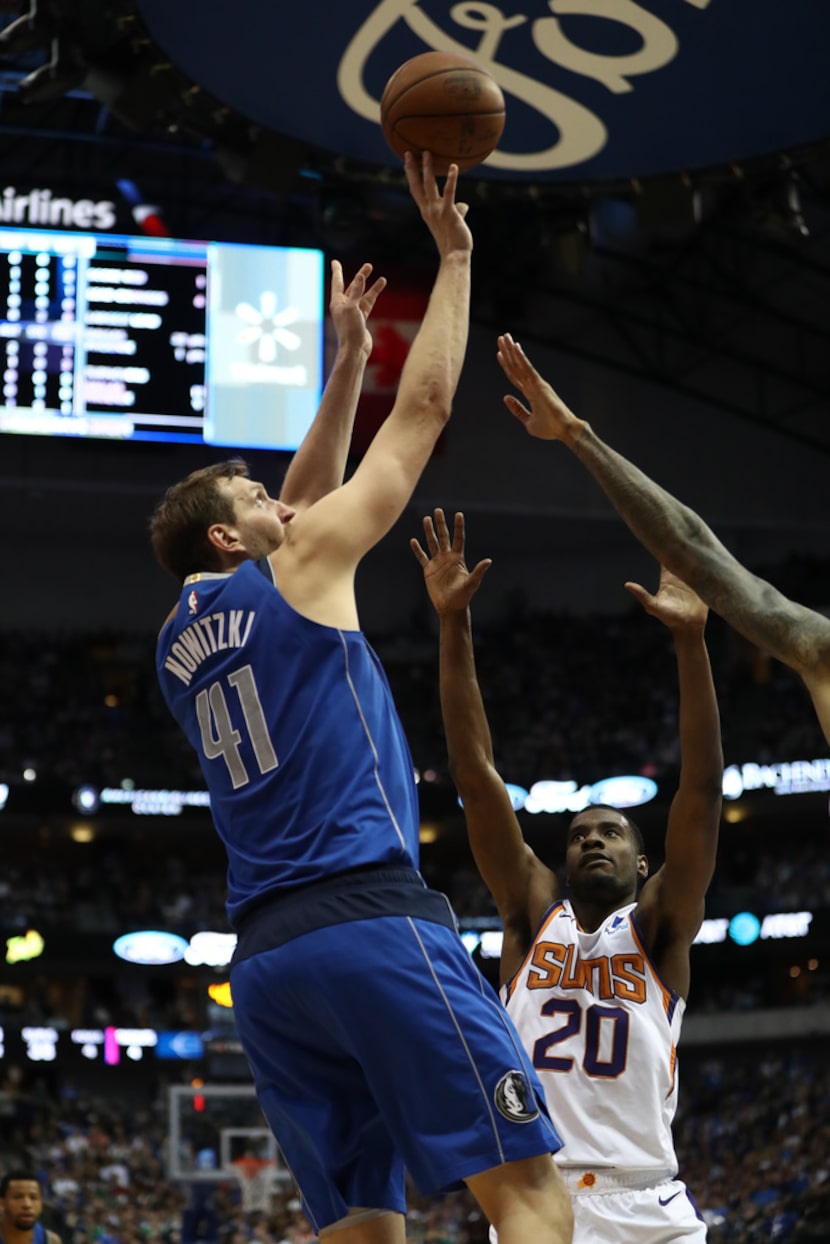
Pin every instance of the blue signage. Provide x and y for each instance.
(745, 928)
(595, 89)
(187, 1045)
(151, 947)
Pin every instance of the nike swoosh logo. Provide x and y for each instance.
(668, 1198)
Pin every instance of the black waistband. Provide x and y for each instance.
(361, 894)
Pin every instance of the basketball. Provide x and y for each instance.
(445, 103)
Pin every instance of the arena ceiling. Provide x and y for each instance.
(660, 203)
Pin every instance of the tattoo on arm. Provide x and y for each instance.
(680, 540)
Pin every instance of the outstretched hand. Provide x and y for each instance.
(450, 584)
(442, 215)
(351, 307)
(548, 417)
(674, 603)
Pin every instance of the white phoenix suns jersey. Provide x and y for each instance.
(601, 1029)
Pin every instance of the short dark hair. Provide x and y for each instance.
(635, 829)
(19, 1174)
(178, 527)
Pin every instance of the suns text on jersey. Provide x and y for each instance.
(202, 638)
(553, 966)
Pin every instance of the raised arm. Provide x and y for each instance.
(344, 525)
(521, 886)
(318, 465)
(679, 538)
(672, 903)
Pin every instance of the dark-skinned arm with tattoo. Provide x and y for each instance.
(678, 537)
(521, 886)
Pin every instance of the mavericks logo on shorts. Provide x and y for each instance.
(514, 1098)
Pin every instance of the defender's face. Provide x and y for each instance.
(23, 1203)
(601, 855)
(260, 520)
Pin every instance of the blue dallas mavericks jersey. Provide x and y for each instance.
(304, 756)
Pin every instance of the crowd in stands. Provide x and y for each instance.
(753, 1139)
(568, 696)
(124, 885)
(752, 1134)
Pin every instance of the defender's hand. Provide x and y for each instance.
(548, 417)
(450, 584)
(675, 604)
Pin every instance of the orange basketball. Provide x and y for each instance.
(445, 103)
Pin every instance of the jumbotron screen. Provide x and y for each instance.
(155, 339)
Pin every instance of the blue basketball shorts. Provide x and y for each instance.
(376, 1046)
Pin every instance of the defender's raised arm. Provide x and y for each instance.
(521, 886)
(678, 537)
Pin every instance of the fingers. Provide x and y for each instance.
(369, 299)
(420, 555)
(423, 183)
(459, 583)
(458, 535)
(507, 347)
(513, 360)
(357, 293)
(437, 536)
(639, 593)
(358, 284)
(507, 363)
(516, 408)
(442, 530)
(336, 279)
(429, 533)
(436, 532)
(413, 178)
(428, 179)
(478, 572)
(450, 181)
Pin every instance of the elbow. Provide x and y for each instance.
(713, 792)
(467, 771)
(706, 794)
(436, 410)
(683, 549)
(433, 398)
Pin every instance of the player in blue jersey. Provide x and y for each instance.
(596, 981)
(373, 1042)
(678, 537)
(21, 1200)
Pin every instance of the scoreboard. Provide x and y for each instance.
(146, 338)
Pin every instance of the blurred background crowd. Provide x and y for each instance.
(753, 1139)
(568, 695)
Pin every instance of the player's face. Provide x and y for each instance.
(23, 1203)
(260, 520)
(601, 856)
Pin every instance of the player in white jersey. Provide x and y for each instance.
(596, 983)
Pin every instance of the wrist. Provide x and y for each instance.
(351, 352)
(574, 430)
(454, 615)
(457, 257)
(688, 633)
